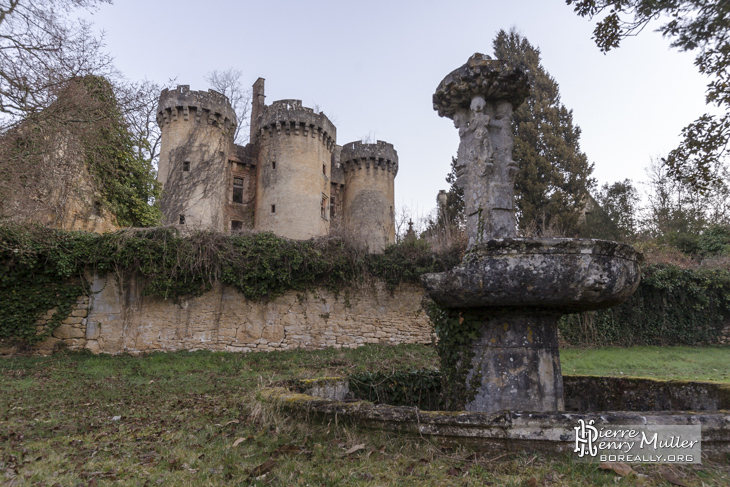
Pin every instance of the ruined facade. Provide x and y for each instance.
(291, 178)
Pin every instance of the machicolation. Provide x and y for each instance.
(380, 154)
(291, 178)
(211, 106)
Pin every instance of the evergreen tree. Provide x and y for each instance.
(612, 214)
(554, 180)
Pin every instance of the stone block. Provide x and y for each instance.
(92, 330)
(72, 320)
(93, 346)
(49, 344)
(82, 313)
(66, 331)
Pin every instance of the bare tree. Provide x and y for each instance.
(229, 83)
(139, 103)
(42, 47)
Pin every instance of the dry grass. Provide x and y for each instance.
(173, 419)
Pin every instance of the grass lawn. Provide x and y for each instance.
(192, 419)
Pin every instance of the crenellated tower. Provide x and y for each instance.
(369, 196)
(197, 139)
(295, 146)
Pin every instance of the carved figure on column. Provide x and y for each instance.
(479, 97)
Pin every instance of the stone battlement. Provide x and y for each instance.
(209, 106)
(381, 154)
(290, 117)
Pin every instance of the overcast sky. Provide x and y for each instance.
(373, 66)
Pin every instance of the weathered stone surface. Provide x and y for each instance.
(49, 344)
(520, 285)
(68, 331)
(92, 330)
(369, 173)
(590, 393)
(549, 432)
(93, 346)
(481, 75)
(516, 363)
(122, 321)
(288, 179)
(556, 273)
(480, 97)
(295, 147)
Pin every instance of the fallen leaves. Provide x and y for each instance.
(354, 449)
(262, 469)
(620, 468)
(239, 441)
(667, 474)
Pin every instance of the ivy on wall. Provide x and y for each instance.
(45, 268)
(672, 306)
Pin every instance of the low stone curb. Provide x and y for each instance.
(550, 432)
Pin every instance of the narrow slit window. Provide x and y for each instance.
(332, 207)
(273, 164)
(273, 208)
(182, 219)
(324, 169)
(236, 226)
(238, 190)
(186, 166)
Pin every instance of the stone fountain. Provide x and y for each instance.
(508, 293)
(497, 315)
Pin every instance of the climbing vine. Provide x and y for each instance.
(420, 388)
(39, 275)
(456, 331)
(125, 179)
(672, 306)
(44, 268)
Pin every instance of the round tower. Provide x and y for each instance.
(294, 170)
(197, 138)
(369, 196)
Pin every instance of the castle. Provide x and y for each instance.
(291, 178)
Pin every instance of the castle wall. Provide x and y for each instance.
(116, 319)
(197, 139)
(294, 170)
(369, 194)
(241, 192)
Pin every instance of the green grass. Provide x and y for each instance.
(172, 419)
(668, 363)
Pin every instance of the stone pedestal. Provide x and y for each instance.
(515, 363)
(500, 307)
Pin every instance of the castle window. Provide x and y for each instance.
(236, 226)
(273, 164)
(324, 169)
(182, 219)
(324, 206)
(186, 166)
(332, 207)
(273, 208)
(238, 190)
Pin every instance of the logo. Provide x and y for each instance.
(638, 443)
(585, 436)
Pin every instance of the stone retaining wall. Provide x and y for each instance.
(116, 319)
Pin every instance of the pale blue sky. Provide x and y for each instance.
(373, 66)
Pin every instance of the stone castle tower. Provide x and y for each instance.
(369, 194)
(291, 179)
(197, 139)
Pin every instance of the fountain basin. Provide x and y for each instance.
(561, 274)
(551, 432)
